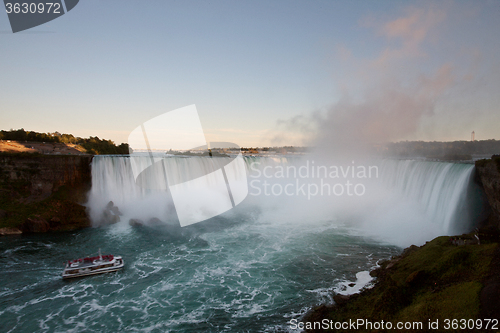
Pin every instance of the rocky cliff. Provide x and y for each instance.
(40, 193)
(42, 175)
(488, 172)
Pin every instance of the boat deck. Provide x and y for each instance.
(92, 265)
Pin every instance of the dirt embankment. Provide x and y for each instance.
(9, 146)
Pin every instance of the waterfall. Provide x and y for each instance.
(407, 202)
(146, 195)
(446, 192)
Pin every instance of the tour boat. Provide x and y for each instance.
(92, 265)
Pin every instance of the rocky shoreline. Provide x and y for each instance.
(436, 281)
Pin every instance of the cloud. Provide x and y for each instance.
(384, 97)
(386, 114)
(406, 34)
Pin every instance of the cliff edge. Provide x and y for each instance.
(488, 172)
(40, 193)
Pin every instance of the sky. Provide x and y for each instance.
(261, 73)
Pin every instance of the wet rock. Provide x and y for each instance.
(155, 222)
(10, 231)
(3, 214)
(114, 209)
(341, 299)
(109, 217)
(136, 222)
(54, 222)
(171, 228)
(35, 224)
(109, 205)
(169, 224)
(111, 214)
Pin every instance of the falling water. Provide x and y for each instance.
(418, 199)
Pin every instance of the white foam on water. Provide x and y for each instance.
(363, 280)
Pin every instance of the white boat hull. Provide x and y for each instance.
(74, 270)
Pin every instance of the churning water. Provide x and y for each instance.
(251, 269)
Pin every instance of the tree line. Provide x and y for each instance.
(439, 149)
(92, 145)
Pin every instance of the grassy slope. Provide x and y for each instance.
(436, 281)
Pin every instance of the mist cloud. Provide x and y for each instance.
(385, 97)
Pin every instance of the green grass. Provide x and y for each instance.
(444, 304)
(437, 281)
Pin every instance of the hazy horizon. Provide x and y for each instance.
(270, 146)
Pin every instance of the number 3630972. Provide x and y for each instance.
(32, 8)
